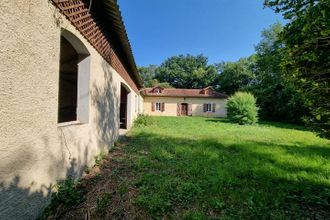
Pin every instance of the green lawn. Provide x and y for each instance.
(190, 167)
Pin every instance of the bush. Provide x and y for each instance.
(242, 108)
(143, 120)
(67, 193)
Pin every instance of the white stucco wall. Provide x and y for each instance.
(35, 151)
(197, 106)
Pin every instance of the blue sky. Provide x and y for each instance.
(220, 29)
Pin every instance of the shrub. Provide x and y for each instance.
(67, 193)
(242, 108)
(143, 120)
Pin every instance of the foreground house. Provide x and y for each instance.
(184, 102)
(68, 81)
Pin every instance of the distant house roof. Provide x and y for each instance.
(207, 92)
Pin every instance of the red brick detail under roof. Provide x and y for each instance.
(76, 11)
(207, 92)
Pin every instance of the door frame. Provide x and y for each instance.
(186, 108)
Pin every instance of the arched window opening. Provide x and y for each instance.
(73, 96)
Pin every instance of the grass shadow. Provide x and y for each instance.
(262, 123)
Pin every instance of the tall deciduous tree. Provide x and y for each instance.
(235, 76)
(148, 75)
(276, 96)
(187, 72)
(307, 40)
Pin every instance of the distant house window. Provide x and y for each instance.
(209, 107)
(73, 95)
(157, 90)
(158, 106)
(136, 103)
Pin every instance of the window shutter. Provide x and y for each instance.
(213, 107)
(83, 90)
(190, 109)
(178, 109)
(205, 107)
(163, 106)
(152, 106)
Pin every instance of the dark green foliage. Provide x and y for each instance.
(278, 99)
(187, 72)
(235, 76)
(306, 37)
(148, 75)
(67, 193)
(102, 203)
(242, 108)
(143, 120)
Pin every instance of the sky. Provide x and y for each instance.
(222, 30)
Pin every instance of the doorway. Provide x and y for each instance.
(123, 107)
(184, 109)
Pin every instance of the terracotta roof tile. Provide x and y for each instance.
(207, 92)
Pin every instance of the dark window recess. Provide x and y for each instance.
(68, 83)
(123, 107)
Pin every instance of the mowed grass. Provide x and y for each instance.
(200, 168)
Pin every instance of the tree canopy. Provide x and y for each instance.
(276, 95)
(187, 72)
(306, 37)
(235, 76)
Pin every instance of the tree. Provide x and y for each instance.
(148, 75)
(306, 37)
(235, 76)
(187, 72)
(276, 96)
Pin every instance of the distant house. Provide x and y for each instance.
(184, 102)
(68, 82)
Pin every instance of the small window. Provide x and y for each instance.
(136, 103)
(158, 106)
